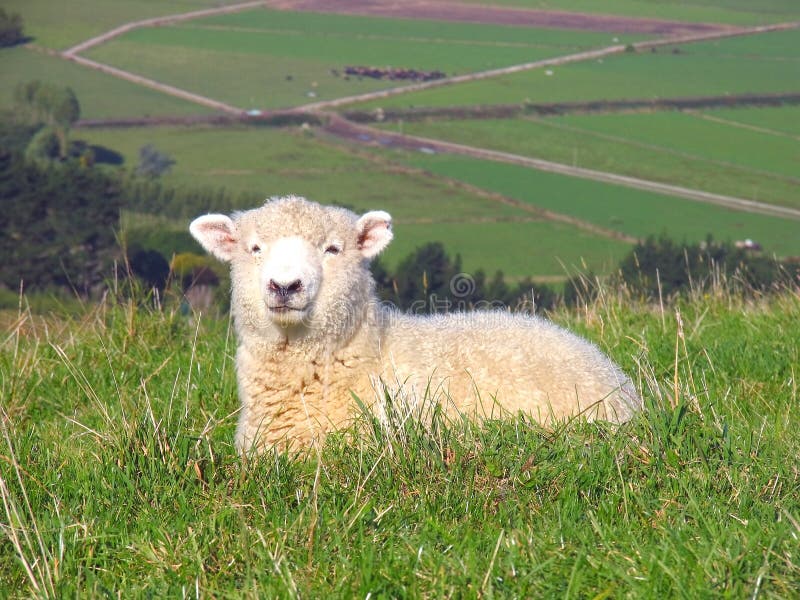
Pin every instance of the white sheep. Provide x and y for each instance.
(311, 334)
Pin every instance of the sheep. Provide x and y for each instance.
(312, 335)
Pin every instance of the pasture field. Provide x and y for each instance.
(275, 59)
(734, 12)
(784, 120)
(274, 162)
(60, 25)
(100, 95)
(634, 212)
(119, 477)
(547, 250)
(258, 163)
(764, 63)
(672, 147)
(686, 132)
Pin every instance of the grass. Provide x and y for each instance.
(276, 59)
(765, 63)
(259, 163)
(542, 249)
(736, 12)
(118, 475)
(59, 25)
(633, 212)
(784, 120)
(100, 96)
(671, 147)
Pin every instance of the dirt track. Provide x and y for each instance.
(498, 15)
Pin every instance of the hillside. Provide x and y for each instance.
(118, 471)
(560, 147)
(720, 168)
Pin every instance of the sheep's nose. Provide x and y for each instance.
(285, 290)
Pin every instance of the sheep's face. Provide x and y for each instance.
(295, 263)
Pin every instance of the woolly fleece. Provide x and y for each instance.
(311, 333)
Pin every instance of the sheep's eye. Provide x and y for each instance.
(332, 249)
(255, 249)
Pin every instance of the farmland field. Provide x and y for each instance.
(737, 12)
(100, 95)
(118, 472)
(60, 25)
(542, 249)
(274, 59)
(671, 147)
(265, 162)
(633, 212)
(765, 63)
(783, 121)
(683, 132)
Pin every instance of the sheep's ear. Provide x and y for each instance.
(374, 230)
(217, 234)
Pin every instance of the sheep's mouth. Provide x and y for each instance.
(285, 308)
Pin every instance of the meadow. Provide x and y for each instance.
(101, 96)
(764, 63)
(681, 148)
(776, 121)
(276, 59)
(59, 25)
(119, 477)
(633, 212)
(735, 12)
(257, 163)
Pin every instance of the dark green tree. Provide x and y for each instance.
(10, 29)
(149, 266)
(424, 275)
(50, 105)
(679, 267)
(153, 162)
(57, 226)
(44, 146)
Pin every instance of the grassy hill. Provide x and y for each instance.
(269, 58)
(118, 473)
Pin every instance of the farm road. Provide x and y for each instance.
(437, 9)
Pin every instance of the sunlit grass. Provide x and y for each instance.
(118, 475)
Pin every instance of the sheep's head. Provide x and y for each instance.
(295, 263)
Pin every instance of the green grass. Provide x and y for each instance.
(259, 163)
(686, 133)
(120, 478)
(671, 147)
(264, 162)
(100, 96)
(543, 249)
(765, 63)
(634, 212)
(783, 120)
(60, 25)
(275, 59)
(737, 12)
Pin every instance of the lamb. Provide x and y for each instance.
(311, 334)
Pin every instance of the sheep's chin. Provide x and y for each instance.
(285, 316)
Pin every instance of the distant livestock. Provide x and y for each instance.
(393, 74)
(312, 334)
